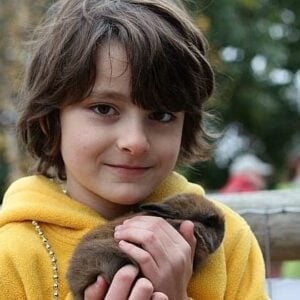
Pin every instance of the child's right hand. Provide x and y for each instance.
(123, 287)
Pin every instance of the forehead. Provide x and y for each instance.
(148, 83)
(112, 65)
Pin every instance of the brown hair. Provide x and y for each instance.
(166, 53)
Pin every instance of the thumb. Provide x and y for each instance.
(187, 231)
(97, 290)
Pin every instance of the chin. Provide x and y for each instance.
(129, 198)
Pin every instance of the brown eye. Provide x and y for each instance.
(163, 117)
(104, 109)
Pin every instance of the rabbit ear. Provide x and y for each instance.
(159, 210)
(212, 220)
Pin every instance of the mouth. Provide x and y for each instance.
(128, 170)
(129, 167)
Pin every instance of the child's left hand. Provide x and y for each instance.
(164, 255)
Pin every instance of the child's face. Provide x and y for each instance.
(114, 152)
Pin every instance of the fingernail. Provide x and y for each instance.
(118, 227)
(100, 280)
(122, 243)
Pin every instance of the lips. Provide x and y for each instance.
(133, 167)
(128, 170)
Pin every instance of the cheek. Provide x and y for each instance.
(170, 148)
(74, 144)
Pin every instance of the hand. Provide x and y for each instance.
(121, 287)
(164, 256)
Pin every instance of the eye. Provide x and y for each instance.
(163, 117)
(104, 109)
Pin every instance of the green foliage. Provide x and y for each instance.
(254, 46)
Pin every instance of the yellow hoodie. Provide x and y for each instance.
(234, 272)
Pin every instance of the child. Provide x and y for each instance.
(112, 101)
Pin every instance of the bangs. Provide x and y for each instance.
(168, 73)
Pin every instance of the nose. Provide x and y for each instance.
(133, 139)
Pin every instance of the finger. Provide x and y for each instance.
(156, 236)
(155, 243)
(145, 230)
(157, 255)
(97, 290)
(159, 296)
(122, 282)
(187, 231)
(143, 258)
(143, 289)
(151, 223)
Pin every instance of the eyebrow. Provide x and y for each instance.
(106, 93)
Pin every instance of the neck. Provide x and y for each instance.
(108, 210)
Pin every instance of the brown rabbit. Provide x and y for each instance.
(98, 251)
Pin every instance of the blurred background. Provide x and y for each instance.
(254, 48)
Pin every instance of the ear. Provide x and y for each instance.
(210, 232)
(159, 210)
(212, 220)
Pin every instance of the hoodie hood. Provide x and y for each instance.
(42, 199)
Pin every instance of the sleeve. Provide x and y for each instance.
(11, 285)
(245, 267)
(23, 273)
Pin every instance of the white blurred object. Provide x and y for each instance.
(249, 162)
(283, 289)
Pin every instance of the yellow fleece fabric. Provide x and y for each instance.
(234, 272)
